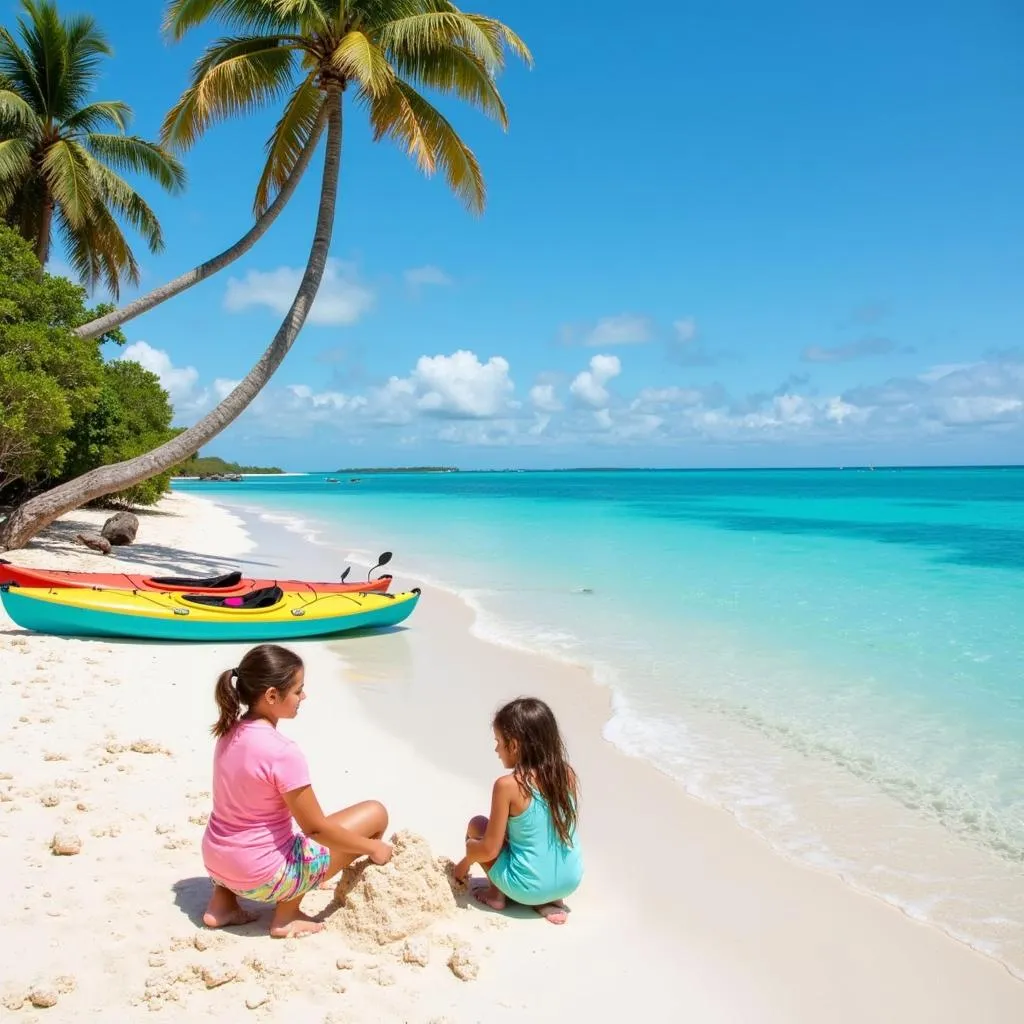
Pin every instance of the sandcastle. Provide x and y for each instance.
(384, 904)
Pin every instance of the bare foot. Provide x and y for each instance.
(490, 895)
(555, 913)
(223, 910)
(293, 924)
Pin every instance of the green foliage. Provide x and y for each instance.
(209, 465)
(48, 377)
(64, 411)
(131, 416)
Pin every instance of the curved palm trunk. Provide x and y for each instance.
(94, 328)
(27, 520)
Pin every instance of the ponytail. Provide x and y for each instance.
(228, 704)
(266, 667)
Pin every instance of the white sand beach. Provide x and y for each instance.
(683, 915)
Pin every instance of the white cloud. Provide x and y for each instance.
(342, 298)
(589, 385)
(625, 329)
(460, 385)
(422, 277)
(178, 381)
(686, 329)
(544, 399)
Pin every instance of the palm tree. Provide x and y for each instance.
(315, 52)
(60, 152)
(472, 52)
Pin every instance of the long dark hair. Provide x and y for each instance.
(530, 724)
(267, 667)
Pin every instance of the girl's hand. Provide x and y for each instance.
(381, 852)
(461, 870)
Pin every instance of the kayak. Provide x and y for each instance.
(269, 613)
(230, 583)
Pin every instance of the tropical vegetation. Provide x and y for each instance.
(61, 150)
(383, 54)
(63, 409)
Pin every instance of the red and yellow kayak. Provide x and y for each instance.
(230, 584)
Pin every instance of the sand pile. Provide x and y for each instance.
(384, 904)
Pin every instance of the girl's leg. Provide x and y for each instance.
(370, 819)
(492, 896)
(224, 909)
(488, 894)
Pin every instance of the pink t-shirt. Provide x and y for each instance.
(250, 832)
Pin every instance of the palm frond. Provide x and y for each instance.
(250, 16)
(298, 128)
(20, 73)
(65, 168)
(455, 71)
(130, 153)
(117, 195)
(16, 114)
(391, 115)
(84, 47)
(97, 116)
(99, 252)
(450, 153)
(501, 36)
(15, 167)
(423, 35)
(360, 60)
(233, 76)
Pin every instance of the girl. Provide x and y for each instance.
(528, 844)
(260, 784)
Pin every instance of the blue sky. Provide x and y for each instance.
(732, 234)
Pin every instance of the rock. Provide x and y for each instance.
(218, 974)
(463, 964)
(66, 844)
(43, 997)
(417, 951)
(121, 529)
(13, 999)
(94, 541)
(345, 963)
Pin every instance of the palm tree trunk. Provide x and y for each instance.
(99, 326)
(27, 520)
(45, 227)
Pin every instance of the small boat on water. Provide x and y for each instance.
(230, 584)
(268, 613)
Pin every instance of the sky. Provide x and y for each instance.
(718, 234)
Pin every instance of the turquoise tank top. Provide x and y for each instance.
(535, 866)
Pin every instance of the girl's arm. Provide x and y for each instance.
(314, 823)
(487, 848)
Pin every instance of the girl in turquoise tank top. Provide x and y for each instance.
(528, 844)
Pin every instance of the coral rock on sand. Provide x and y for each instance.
(121, 528)
(66, 844)
(384, 904)
(43, 997)
(463, 964)
(94, 541)
(417, 951)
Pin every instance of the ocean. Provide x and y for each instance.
(836, 657)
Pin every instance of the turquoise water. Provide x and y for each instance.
(837, 657)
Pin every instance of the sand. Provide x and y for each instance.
(105, 749)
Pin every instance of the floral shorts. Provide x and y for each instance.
(304, 869)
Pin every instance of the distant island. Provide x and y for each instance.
(400, 469)
(210, 467)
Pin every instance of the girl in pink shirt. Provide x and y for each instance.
(261, 791)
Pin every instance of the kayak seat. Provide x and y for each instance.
(265, 597)
(229, 579)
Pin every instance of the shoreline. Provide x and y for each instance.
(963, 890)
(704, 916)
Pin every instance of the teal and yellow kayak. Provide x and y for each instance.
(269, 613)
